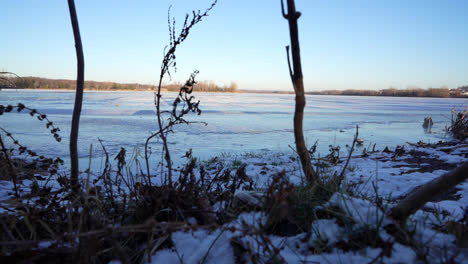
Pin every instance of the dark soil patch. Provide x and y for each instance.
(363, 239)
(450, 195)
(424, 162)
(436, 145)
(63, 255)
(432, 210)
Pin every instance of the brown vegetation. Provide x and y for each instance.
(115, 216)
(459, 126)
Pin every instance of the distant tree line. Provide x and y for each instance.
(206, 86)
(410, 92)
(210, 86)
(44, 83)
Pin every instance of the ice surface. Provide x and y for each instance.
(236, 122)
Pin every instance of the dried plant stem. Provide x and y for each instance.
(147, 154)
(167, 154)
(168, 62)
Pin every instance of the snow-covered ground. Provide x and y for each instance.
(373, 184)
(391, 176)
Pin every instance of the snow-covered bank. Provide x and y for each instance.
(375, 182)
(351, 227)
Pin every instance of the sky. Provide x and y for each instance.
(364, 44)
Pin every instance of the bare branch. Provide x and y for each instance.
(282, 10)
(289, 65)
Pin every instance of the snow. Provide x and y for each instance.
(197, 246)
(325, 230)
(378, 176)
(389, 178)
(361, 211)
(453, 208)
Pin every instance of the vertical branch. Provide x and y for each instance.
(78, 97)
(296, 75)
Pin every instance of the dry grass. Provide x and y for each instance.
(126, 221)
(459, 126)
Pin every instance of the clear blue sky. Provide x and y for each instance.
(366, 44)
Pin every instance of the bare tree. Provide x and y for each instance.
(296, 76)
(78, 97)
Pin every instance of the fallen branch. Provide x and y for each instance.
(426, 192)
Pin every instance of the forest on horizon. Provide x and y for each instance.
(45, 83)
(210, 86)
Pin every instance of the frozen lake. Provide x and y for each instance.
(237, 123)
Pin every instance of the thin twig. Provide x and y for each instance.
(289, 63)
(341, 177)
(211, 246)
